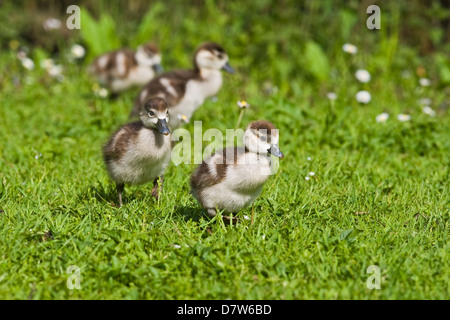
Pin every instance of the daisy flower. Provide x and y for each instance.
(362, 75)
(52, 24)
(27, 63)
(331, 96)
(424, 82)
(243, 104)
(350, 48)
(403, 117)
(429, 111)
(77, 51)
(363, 96)
(382, 117)
(47, 64)
(103, 93)
(425, 101)
(183, 118)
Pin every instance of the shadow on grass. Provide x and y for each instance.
(102, 193)
(193, 213)
(107, 194)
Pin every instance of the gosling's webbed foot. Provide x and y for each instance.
(120, 187)
(156, 189)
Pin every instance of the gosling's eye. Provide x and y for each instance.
(220, 56)
(263, 138)
(151, 114)
(167, 113)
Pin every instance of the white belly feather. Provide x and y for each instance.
(242, 184)
(196, 93)
(143, 161)
(137, 76)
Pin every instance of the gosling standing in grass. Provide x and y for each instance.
(139, 152)
(186, 90)
(232, 179)
(122, 69)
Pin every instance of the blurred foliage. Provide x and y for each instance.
(281, 39)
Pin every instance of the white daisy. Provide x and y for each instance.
(27, 63)
(406, 74)
(309, 158)
(177, 246)
(350, 48)
(55, 70)
(246, 217)
(311, 173)
(424, 82)
(47, 64)
(331, 96)
(362, 75)
(243, 104)
(363, 96)
(429, 111)
(21, 55)
(103, 93)
(403, 117)
(307, 178)
(52, 24)
(425, 101)
(183, 118)
(382, 117)
(77, 51)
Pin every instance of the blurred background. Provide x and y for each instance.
(275, 43)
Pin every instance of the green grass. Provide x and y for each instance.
(379, 196)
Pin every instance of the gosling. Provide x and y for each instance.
(186, 90)
(139, 152)
(122, 69)
(233, 178)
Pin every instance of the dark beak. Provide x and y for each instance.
(161, 125)
(275, 150)
(157, 68)
(228, 68)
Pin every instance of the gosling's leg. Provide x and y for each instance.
(156, 190)
(212, 212)
(113, 96)
(226, 219)
(120, 187)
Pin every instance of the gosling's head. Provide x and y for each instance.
(148, 55)
(155, 114)
(262, 137)
(211, 56)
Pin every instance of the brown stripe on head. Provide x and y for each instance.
(209, 46)
(262, 125)
(150, 48)
(158, 104)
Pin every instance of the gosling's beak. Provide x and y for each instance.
(157, 68)
(228, 68)
(161, 125)
(275, 150)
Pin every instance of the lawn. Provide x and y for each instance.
(351, 192)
